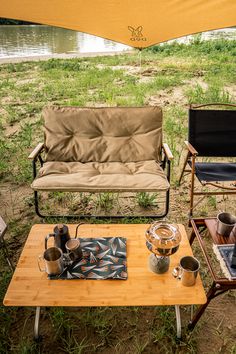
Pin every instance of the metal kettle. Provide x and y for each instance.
(61, 236)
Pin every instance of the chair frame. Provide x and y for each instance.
(192, 156)
(3, 229)
(36, 157)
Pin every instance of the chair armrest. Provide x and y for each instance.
(167, 152)
(191, 148)
(36, 151)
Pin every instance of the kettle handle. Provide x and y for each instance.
(76, 230)
(46, 239)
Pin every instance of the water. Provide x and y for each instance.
(24, 41)
(34, 40)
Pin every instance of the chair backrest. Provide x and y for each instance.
(213, 132)
(108, 134)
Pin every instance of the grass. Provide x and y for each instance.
(6, 315)
(172, 75)
(146, 200)
(105, 200)
(214, 93)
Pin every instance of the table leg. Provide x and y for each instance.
(178, 321)
(36, 323)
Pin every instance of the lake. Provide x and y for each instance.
(35, 40)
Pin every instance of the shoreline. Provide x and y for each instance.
(60, 56)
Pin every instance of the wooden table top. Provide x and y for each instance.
(30, 287)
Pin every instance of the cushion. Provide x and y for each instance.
(98, 177)
(215, 171)
(113, 134)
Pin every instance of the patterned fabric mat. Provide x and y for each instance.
(103, 258)
(224, 255)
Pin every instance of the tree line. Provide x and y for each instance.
(8, 21)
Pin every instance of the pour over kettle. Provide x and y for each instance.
(61, 236)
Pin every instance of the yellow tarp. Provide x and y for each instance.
(135, 23)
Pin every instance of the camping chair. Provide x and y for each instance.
(212, 133)
(3, 229)
(102, 150)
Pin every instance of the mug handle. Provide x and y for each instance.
(40, 258)
(46, 239)
(177, 272)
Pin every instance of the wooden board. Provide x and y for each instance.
(30, 287)
(217, 238)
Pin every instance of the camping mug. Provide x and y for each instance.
(187, 270)
(74, 249)
(53, 259)
(225, 223)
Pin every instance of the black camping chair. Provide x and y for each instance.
(212, 133)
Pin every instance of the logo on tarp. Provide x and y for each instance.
(136, 33)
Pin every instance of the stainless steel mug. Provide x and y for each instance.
(187, 270)
(74, 249)
(225, 223)
(53, 260)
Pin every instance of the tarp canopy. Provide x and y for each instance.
(139, 23)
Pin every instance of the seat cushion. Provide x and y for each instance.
(215, 171)
(106, 134)
(97, 177)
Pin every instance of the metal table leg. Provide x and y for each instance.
(37, 318)
(36, 323)
(178, 321)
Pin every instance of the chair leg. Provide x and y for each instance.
(167, 203)
(183, 170)
(36, 204)
(82, 216)
(3, 229)
(192, 186)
